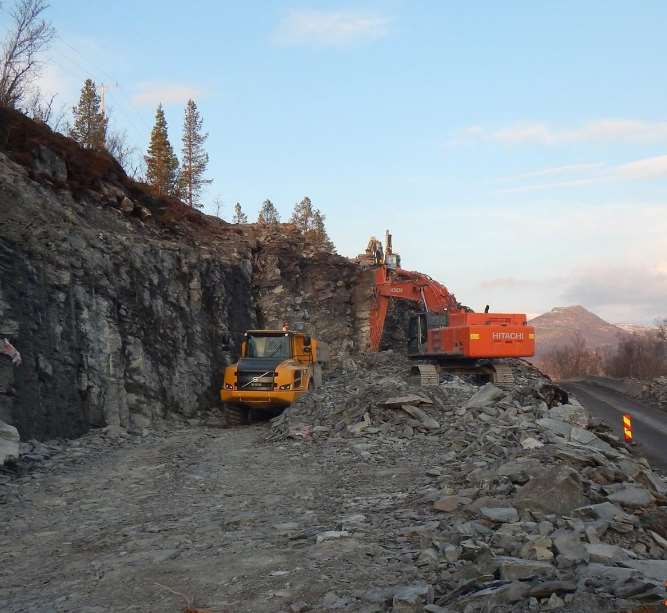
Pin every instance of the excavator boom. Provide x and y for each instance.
(404, 285)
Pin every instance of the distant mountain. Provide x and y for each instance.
(559, 326)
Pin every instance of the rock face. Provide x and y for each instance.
(126, 308)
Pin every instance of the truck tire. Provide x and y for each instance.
(236, 416)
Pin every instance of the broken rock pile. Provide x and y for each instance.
(526, 504)
(656, 391)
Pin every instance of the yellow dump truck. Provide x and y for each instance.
(275, 368)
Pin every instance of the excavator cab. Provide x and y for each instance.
(417, 334)
(418, 327)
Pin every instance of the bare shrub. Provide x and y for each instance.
(118, 145)
(641, 356)
(29, 35)
(574, 359)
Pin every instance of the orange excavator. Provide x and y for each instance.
(444, 334)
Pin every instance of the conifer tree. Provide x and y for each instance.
(239, 215)
(319, 233)
(302, 215)
(194, 158)
(161, 162)
(310, 222)
(268, 214)
(90, 123)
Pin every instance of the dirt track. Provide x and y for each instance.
(217, 515)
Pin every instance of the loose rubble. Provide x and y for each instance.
(352, 500)
(527, 507)
(656, 391)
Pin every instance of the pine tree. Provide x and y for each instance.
(90, 123)
(302, 216)
(194, 159)
(268, 214)
(239, 215)
(319, 233)
(310, 222)
(161, 162)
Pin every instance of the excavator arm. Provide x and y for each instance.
(405, 285)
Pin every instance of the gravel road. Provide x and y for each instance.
(229, 521)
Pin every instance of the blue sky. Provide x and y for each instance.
(516, 150)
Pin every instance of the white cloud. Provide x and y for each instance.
(547, 186)
(611, 259)
(638, 170)
(648, 168)
(554, 170)
(596, 131)
(165, 93)
(636, 291)
(515, 283)
(563, 242)
(330, 28)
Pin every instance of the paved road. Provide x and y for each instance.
(649, 423)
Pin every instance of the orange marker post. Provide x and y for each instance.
(627, 428)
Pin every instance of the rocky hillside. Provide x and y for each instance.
(559, 326)
(126, 307)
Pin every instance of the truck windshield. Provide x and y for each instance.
(268, 346)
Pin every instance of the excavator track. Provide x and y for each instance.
(426, 374)
(502, 375)
(497, 373)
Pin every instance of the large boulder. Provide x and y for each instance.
(569, 547)
(518, 568)
(485, 396)
(632, 496)
(48, 163)
(553, 489)
(9, 442)
(501, 515)
(570, 413)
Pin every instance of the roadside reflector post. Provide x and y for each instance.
(627, 428)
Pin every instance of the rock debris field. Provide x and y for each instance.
(370, 494)
(656, 391)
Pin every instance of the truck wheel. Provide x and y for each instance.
(236, 416)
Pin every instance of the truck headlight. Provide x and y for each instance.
(229, 386)
(285, 387)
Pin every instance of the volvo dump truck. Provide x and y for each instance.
(275, 368)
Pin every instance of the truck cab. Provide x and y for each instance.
(274, 369)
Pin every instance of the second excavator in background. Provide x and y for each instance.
(443, 334)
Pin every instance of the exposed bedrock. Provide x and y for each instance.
(126, 308)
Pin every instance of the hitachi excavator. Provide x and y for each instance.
(444, 334)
